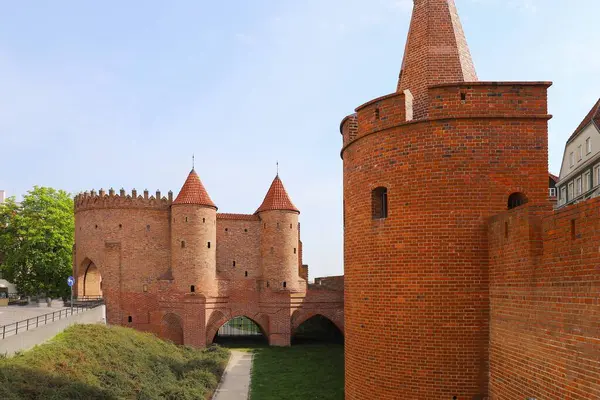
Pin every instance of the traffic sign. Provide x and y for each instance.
(70, 281)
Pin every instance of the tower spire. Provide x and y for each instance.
(193, 161)
(436, 52)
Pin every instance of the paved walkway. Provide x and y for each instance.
(12, 314)
(235, 382)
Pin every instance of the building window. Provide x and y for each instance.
(570, 192)
(579, 153)
(563, 195)
(193, 289)
(579, 188)
(587, 182)
(588, 145)
(130, 319)
(379, 203)
(597, 172)
(571, 159)
(516, 200)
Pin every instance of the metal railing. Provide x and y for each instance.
(23, 326)
(239, 326)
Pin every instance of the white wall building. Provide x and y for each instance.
(2, 196)
(580, 171)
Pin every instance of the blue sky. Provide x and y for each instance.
(120, 94)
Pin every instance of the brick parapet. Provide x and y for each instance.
(328, 283)
(489, 100)
(103, 200)
(381, 113)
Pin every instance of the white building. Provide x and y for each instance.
(580, 172)
(2, 196)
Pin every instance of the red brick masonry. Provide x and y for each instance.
(150, 252)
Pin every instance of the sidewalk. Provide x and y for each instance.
(235, 382)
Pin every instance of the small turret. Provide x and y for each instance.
(193, 238)
(279, 239)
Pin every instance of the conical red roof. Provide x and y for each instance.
(193, 192)
(277, 198)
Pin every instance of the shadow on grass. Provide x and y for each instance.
(17, 383)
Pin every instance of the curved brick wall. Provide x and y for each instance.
(195, 264)
(279, 238)
(416, 283)
(115, 232)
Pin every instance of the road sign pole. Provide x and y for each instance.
(71, 282)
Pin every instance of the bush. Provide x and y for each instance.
(99, 362)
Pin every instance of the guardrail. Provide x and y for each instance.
(34, 322)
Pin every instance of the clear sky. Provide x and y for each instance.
(100, 94)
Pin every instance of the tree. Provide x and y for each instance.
(36, 241)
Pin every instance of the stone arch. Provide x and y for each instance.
(171, 328)
(516, 199)
(218, 318)
(300, 316)
(89, 279)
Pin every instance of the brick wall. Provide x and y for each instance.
(238, 240)
(134, 243)
(416, 282)
(545, 303)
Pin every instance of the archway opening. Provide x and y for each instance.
(171, 328)
(92, 282)
(516, 199)
(240, 331)
(317, 329)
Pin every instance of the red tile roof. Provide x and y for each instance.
(193, 192)
(593, 116)
(277, 198)
(553, 177)
(239, 217)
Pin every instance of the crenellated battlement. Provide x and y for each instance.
(489, 100)
(101, 199)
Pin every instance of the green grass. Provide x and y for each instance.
(302, 372)
(98, 362)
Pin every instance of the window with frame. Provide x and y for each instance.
(588, 145)
(587, 182)
(578, 188)
(571, 159)
(563, 195)
(379, 203)
(570, 192)
(579, 153)
(597, 172)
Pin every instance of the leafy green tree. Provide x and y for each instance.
(36, 241)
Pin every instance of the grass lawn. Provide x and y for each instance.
(90, 362)
(301, 372)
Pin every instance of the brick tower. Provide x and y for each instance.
(424, 169)
(193, 238)
(279, 239)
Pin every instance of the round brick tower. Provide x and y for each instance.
(424, 168)
(193, 238)
(279, 239)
